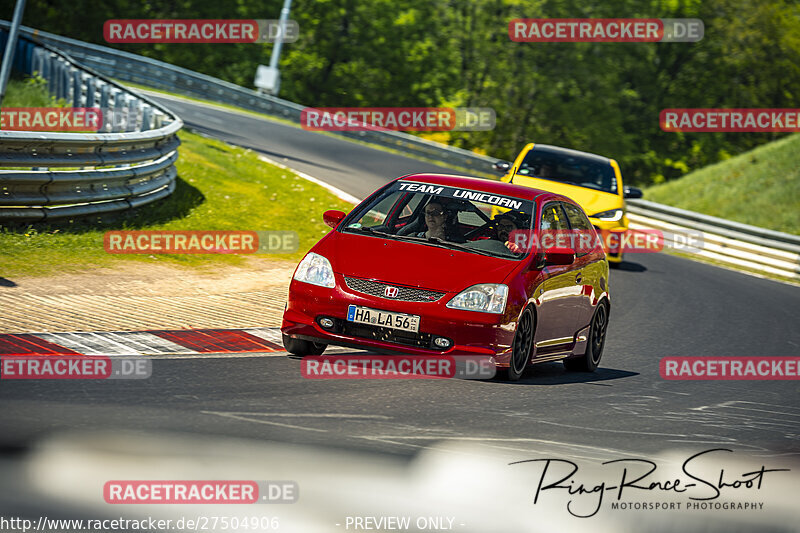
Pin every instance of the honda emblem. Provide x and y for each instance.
(391, 292)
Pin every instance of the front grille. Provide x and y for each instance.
(380, 333)
(406, 294)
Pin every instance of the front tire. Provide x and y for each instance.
(302, 347)
(594, 344)
(522, 347)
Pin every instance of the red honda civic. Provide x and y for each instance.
(448, 265)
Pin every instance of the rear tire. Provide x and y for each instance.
(522, 347)
(594, 344)
(302, 347)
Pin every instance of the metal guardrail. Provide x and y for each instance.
(732, 243)
(727, 228)
(725, 241)
(140, 149)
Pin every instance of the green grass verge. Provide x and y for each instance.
(760, 187)
(31, 92)
(219, 187)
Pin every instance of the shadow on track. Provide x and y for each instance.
(556, 374)
(627, 266)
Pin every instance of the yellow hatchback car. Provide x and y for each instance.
(592, 181)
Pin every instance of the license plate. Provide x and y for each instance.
(387, 319)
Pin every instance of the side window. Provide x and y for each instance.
(579, 221)
(405, 215)
(553, 217)
(408, 210)
(377, 215)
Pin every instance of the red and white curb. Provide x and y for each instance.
(180, 343)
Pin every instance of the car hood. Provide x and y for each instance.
(592, 201)
(410, 263)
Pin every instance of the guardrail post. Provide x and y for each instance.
(90, 88)
(52, 79)
(37, 61)
(60, 73)
(133, 115)
(55, 77)
(119, 106)
(67, 83)
(77, 88)
(47, 71)
(63, 80)
(104, 105)
(147, 116)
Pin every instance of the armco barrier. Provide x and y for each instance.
(731, 243)
(53, 175)
(728, 242)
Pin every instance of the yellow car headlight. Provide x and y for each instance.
(612, 215)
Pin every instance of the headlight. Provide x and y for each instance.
(316, 270)
(612, 215)
(485, 297)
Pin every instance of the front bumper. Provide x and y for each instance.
(470, 333)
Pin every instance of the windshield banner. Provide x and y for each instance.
(465, 194)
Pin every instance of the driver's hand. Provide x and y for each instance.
(513, 247)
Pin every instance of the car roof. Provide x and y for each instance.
(568, 152)
(477, 184)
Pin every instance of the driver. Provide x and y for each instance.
(505, 223)
(547, 170)
(439, 223)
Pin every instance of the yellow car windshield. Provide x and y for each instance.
(575, 170)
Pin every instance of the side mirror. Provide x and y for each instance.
(632, 192)
(333, 217)
(502, 166)
(559, 256)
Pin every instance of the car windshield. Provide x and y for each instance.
(568, 168)
(449, 217)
